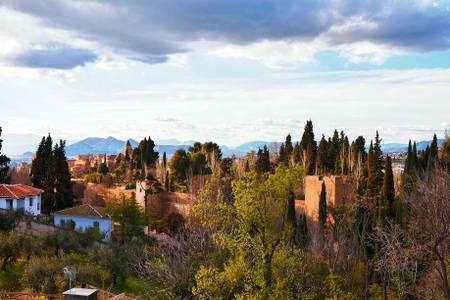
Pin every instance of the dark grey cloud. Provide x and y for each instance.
(55, 56)
(149, 31)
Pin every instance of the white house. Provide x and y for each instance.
(85, 216)
(21, 197)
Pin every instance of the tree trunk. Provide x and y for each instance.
(5, 263)
(444, 276)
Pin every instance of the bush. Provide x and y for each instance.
(130, 186)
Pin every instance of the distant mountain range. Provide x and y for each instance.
(111, 145)
(395, 147)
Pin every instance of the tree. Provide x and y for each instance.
(308, 147)
(263, 160)
(291, 215)
(179, 165)
(374, 168)
(4, 163)
(130, 217)
(42, 175)
(444, 151)
(42, 274)
(433, 157)
(323, 214)
(322, 157)
(429, 224)
(62, 185)
(251, 230)
(103, 168)
(388, 191)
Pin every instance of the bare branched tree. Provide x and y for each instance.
(429, 204)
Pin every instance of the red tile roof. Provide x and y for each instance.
(84, 210)
(18, 190)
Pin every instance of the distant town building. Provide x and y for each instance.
(85, 216)
(20, 197)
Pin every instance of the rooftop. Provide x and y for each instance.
(80, 292)
(18, 190)
(84, 210)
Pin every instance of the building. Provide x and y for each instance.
(80, 294)
(85, 216)
(340, 190)
(21, 197)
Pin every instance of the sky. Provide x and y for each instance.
(229, 71)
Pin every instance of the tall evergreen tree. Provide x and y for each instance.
(297, 153)
(375, 168)
(288, 147)
(4, 163)
(308, 147)
(388, 191)
(433, 157)
(263, 160)
(323, 213)
(333, 151)
(282, 157)
(303, 234)
(103, 168)
(322, 156)
(290, 215)
(63, 185)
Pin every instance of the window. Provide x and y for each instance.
(38, 206)
(30, 201)
(96, 225)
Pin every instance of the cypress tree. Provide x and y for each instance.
(308, 147)
(323, 214)
(63, 184)
(164, 160)
(375, 168)
(303, 233)
(290, 214)
(282, 157)
(322, 156)
(372, 187)
(388, 192)
(288, 145)
(297, 153)
(166, 181)
(4, 163)
(103, 168)
(334, 148)
(433, 156)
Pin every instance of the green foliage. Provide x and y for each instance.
(388, 191)
(4, 163)
(130, 186)
(130, 216)
(374, 168)
(251, 230)
(50, 172)
(308, 149)
(323, 213)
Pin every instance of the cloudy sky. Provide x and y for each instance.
(229, 71)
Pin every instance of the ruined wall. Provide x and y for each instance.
(339, 191)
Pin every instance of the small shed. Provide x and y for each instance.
(80, 294)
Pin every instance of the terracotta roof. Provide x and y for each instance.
(84, 210)
(18, 191)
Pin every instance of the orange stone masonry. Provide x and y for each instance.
(340, 190)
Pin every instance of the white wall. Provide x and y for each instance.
(34, 209)
(83, 222)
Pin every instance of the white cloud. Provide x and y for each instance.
(271, 53)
